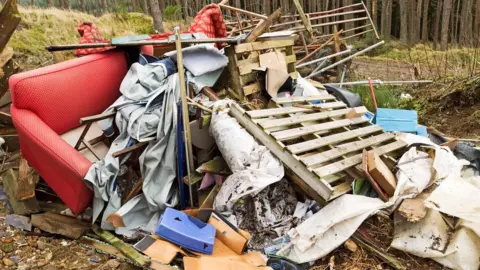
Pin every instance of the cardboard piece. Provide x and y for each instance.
(277, 73)
(381, 173)
(208, 263)
(227, 234)
(158, 249)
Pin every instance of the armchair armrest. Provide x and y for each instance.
(62, 167)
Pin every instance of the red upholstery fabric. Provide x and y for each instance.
(51, 100)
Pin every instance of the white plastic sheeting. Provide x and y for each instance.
(334, 224)
(253, 165)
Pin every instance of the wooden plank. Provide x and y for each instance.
(304, 18)
(344, 149)
(248, 68)
(252, 89)
(262, 45)
(288, 110)
(340, 190)
(324, 106)
(320, 187)
(297, 119)
(297, 132)
(320, 142)
(356, 159)
(275, 112)
(233, 70)
(286, 100)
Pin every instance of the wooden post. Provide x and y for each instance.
(9, 20)
(304, 18)
(263, 25)
(338, 42)
(186, 122)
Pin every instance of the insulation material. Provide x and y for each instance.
(336, 222)
(330, 227)
(456, 197)
(253, 165)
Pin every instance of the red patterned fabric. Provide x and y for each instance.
(90, 34)
(210, 21)
(49, 101)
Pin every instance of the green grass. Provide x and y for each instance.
(42, 27)
(387, 96)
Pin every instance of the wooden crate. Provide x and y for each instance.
(322, 147)
(245, 57)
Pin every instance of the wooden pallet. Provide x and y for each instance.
(323, 148)
(243, 58)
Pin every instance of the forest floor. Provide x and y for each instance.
(450, 105)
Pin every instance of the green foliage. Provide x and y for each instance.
(388, 96)
(173, 13)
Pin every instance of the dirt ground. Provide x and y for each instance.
(450, 107)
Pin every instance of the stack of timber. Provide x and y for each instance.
(244, 58)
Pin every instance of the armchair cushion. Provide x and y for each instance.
(50, 101)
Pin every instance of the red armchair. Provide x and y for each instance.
(50, 101)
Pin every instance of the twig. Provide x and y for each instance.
(198, 105)
(360, 240)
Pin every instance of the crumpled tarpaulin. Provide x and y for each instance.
(336, 222)
(253, 165)
(90, 34)
(146, 110)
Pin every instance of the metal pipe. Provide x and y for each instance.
(319, 17)
(320, 66)
(371, 21)
(331, 23)
(379, 82)
(324, 58)
(324, 12)
(359, 34)
(348, 58)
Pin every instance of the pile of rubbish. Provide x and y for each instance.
(220, 152)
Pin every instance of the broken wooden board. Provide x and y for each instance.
(24, 187)
(9, 20)
(59, 224)
(322, 148)
(414, 210)
(381, 173)
(25, 207)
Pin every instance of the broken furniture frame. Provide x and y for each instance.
(307, 20)
(88, 121)
(308, 141)
(243, 58)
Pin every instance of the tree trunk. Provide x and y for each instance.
(476, 26)
(156, 15)
(404, 21)
(349, 25)
(267, 6)
(465, 22)
(386, 19)
(185, 9)
(436, 24)
(144, 6)
(9, 20)
(134, 5)
(418, 20)
(67, 4)
(426, 4)
(374, 13)
(32, 3)
(447, 9)
(412, 27)
(49, 3)
(105, 6)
